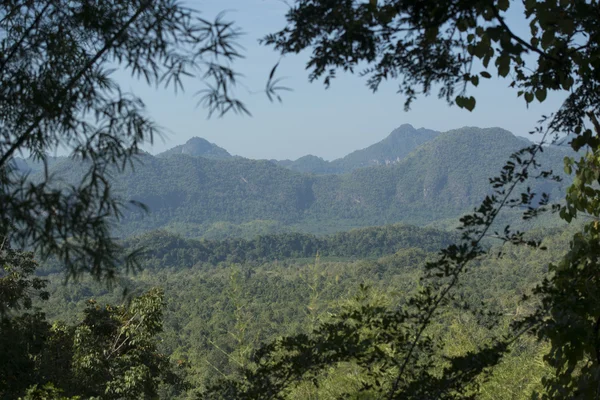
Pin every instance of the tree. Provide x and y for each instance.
(447, 47)
(111, 353)
(23, 330)
(432, 46)
(57, 92)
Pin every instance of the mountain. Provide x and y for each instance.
(389, 151)
(198, 147)
(443, 178)
(310, 164)
(31, 166)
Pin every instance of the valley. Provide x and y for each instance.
(250, 250)
(186, 213)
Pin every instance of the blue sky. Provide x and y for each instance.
(328, 123)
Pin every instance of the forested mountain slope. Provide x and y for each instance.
(390, 150)
(440, 179)
(198, 147)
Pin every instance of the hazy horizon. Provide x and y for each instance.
(312, 120)
(175, 144)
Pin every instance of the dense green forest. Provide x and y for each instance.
(431, 265)
(167, 250)
(218, 312)
(240, 269)
(238, 272)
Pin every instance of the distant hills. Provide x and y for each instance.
(194, 188)
(198, 147)
(30, 166)
(390, 150)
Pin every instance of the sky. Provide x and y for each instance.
(328, 123)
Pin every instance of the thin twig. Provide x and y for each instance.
(518, 39)
(74, 80)
(458, 270)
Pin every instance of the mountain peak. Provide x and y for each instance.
(308, 163)
(403, 128)
(197, 140)
(399, 143)
(407, 131)
(198, 147)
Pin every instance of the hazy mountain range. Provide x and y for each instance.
(414, 176)
(390, 150)
(198, 147)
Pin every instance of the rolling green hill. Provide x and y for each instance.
(164, 250)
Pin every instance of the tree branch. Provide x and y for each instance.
(15, 47)
(518, 39)
(15, 146)
(458, 270)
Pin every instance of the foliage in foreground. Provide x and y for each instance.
(58, 91)
(110, 353)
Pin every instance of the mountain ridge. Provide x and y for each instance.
(388, 151)
(198, 147)
(442, 178)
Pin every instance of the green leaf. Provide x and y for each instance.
(540, 94)
(485, 74)
(528, 97)
(568, 168)
(486, 60)
(470, 103)
(567, 82)
(529, 4)
(503, 4)
(503, 64)
(547, 38)
(534, 41)
(465, 102)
